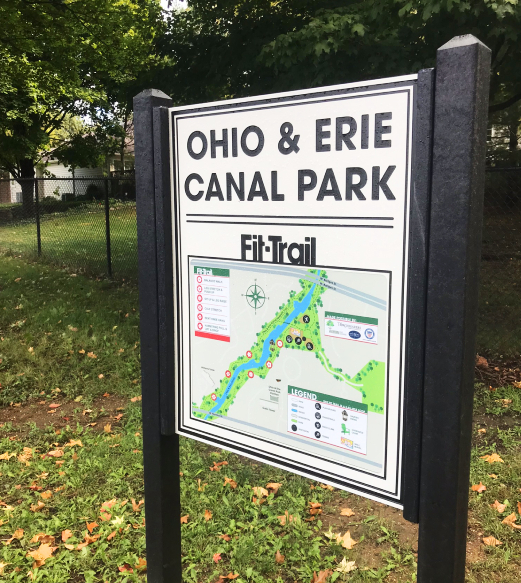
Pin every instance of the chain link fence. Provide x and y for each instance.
(499, 325)
(86, 224)
(89, 225)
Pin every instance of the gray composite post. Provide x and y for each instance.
(458, 172)
(160, 444)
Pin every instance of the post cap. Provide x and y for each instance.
(462, 41)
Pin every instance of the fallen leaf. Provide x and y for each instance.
(510, 519)
(54, 453)
(112, 535)
(279, 558)
(481, 362)
(232, 483)
(43, 538)
(126, 568)
(137, 505)
(346, 540)
(184, 519)
(107, 428)
(31, 349)
(493, 476)
(18, 534)
(207, 515)
(217, 557)
(482, 430)
(273, 487)
(321, 577)
(492, 458)
(91, 526)
(37, 507)
(346, 512)
(229, 576)
(108, 504)
(106, 394)
(91, 355)
(141, 565)
(498, 506)
(286, 517)
(479, 488)
(41, 554)
(346, 566)
(74, 442)
(519, 507)
(225, 537)
(491, 541)
(315, 508)
(134, 399)
(118, 417)
(46, 495)
(66, 535)
(260, 492)
(81, 351)
(326, 487)
(54, 405)
(199, 487)
(2, 567)
(69, 547)
(7, 456)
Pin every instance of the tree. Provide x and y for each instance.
(62, 58)
(246, 47)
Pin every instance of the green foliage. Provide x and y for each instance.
(223, 49)
(67, 58)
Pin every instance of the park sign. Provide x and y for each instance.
(292, 217)
(308, 277)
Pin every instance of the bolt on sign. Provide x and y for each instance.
(314, 243)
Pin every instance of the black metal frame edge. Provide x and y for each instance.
(417, 292)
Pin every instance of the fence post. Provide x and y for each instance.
(37, 209)
(107, 229)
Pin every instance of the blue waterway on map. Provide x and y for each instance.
(298, 308)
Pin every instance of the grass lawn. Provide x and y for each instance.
(71, 466)
(76, 238)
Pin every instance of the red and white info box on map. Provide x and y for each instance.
(212, 303)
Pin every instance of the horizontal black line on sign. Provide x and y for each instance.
(292, 224)
(291, 217)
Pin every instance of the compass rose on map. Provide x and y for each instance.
(255, 296)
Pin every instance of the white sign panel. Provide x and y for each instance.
(290, 255)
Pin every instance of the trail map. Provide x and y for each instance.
(292, 355)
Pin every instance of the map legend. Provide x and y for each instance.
(328, 419)
(212, 303)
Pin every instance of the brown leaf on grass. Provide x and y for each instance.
(46, 495)
(7, 456)
(346, 541)
(2, 567)
(207, 515)
(279, 558)
(479, 488)
(108, 505)
(134, 399)
(118, 417)
(481, 361)
(69, 547)
(66, 535)
(184, 519)
(91, 526)
(326, 487)
(321, 577)
(491, 458)
(74, 442)
(37, 507)
(41, 554)
(106, 395)
(41, 537)
(18, 534)
(199, 487)
(54, 453)
(91, 355)
(273, 487)
(286, 517)
(126, 568)
(510, 519)
(74, 456)
(260, 492)
(229, 576)
(136, 506)
(217, 466)
(54, 405)
(104, 516)
(107, 428)
(315, 508)
(225, 537)
(141, 565)
(346, 512)
(112, 535)
(232, 483)
(493, 476)
(216, 558)
(491, 541)
(498, 506)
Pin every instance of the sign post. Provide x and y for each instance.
(306, 261)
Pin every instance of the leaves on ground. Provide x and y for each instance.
(492, 458)
(479, 488)
(491, 541)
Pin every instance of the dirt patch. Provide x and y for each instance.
(102, 411)
(497, 372)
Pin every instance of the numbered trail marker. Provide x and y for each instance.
(307, 259)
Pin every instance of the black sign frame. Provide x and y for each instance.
(445, 231)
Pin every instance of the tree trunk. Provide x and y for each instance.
(27, 183)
